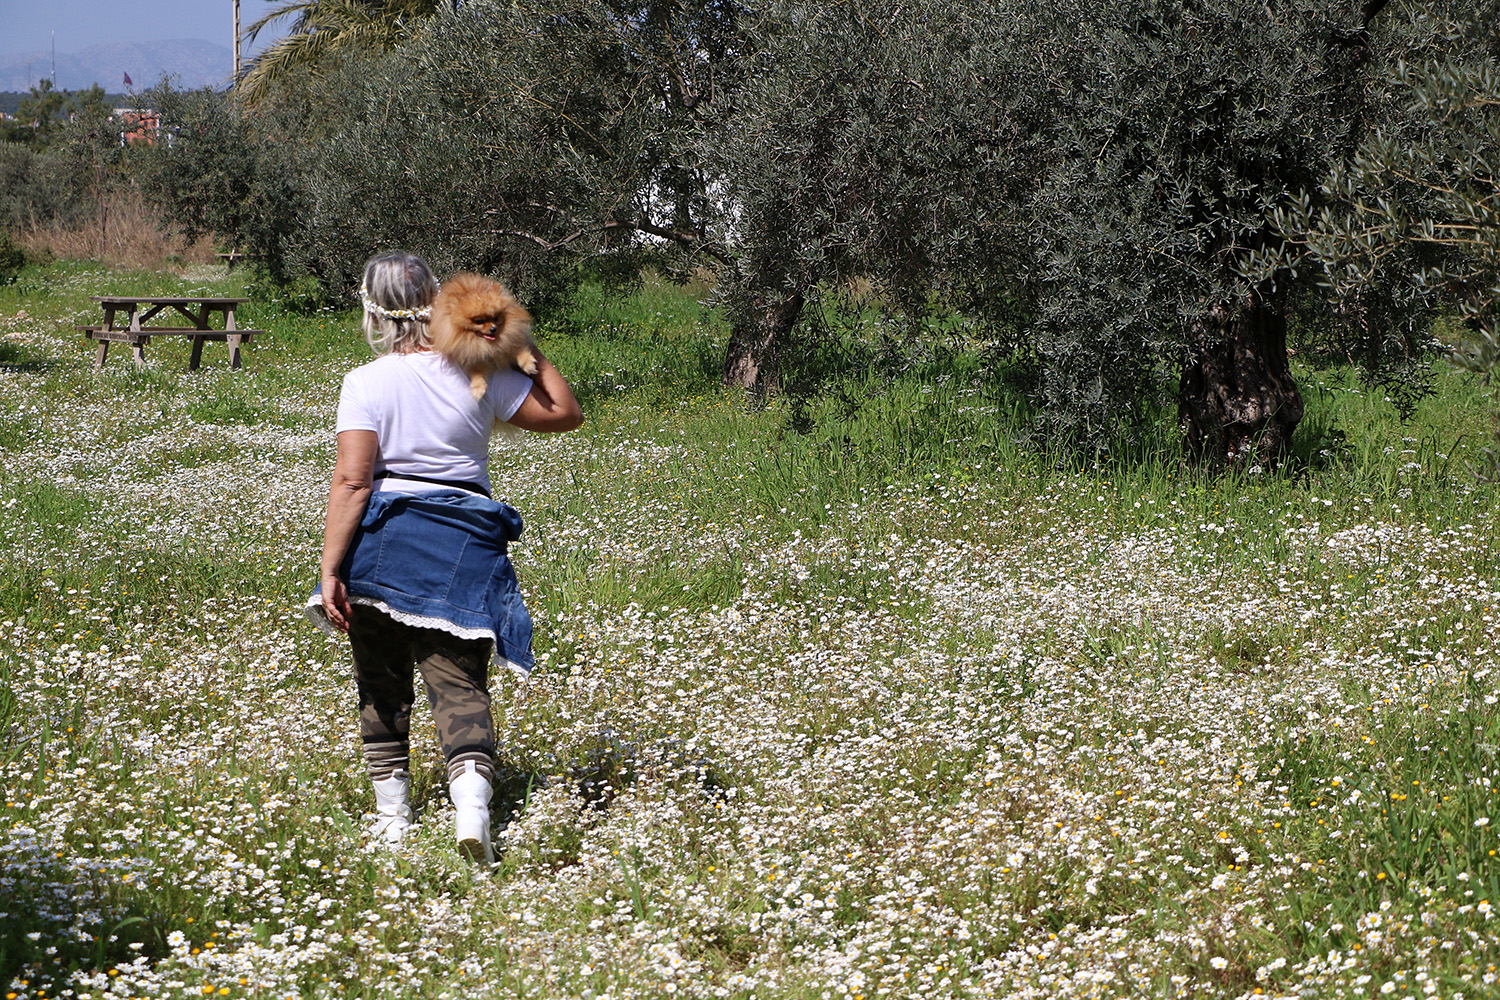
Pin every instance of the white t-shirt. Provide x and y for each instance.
(426, 421)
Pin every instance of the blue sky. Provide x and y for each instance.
(27, 25)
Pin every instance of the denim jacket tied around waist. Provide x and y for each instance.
(440, 560)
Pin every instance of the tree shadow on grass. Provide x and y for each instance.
(59, 915)
(13, 361)
(604, 769)
(1318, 443)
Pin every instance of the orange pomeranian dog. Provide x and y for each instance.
(481, 328)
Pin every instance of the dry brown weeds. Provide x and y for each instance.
(131, 235)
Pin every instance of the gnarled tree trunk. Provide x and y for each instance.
(1237, 403)
(762, 319)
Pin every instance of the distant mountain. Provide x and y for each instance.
(189, 62)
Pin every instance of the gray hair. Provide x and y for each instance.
(397, 295)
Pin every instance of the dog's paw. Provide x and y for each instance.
(527, 362)
(479, 384)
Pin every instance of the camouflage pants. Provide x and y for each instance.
(456, 674)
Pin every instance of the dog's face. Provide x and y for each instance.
(487, 326)
(482, 308)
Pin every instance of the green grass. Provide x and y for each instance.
(1424, 800)
(854, 691)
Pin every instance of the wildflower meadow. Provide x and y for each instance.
(851, 695)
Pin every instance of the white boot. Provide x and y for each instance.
(392, 808)
(470, 792)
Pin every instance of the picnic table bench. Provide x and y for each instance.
(126, 319)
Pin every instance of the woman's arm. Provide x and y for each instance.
(550, 406)
(347, 498)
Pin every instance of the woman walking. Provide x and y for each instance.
(415, 567)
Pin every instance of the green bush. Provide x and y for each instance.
(12, 259)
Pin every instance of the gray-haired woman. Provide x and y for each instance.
(415, 567)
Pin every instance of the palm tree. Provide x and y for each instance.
(327, 27)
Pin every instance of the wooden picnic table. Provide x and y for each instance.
(127, 321)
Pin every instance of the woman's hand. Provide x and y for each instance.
(336, 602)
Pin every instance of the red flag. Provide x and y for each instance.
(127, 80)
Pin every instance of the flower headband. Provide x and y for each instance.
(371, 306)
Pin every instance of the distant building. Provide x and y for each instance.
(138, 126)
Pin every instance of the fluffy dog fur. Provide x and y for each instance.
(481, 328)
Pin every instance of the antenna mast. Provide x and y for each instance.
(236, 41)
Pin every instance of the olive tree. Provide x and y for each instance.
(519, 138)
(1417, 205)
(884, 141)
(1117, 164)
(1177, 130)
(511, 136)
(241, 178)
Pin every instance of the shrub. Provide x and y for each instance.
(12, 258)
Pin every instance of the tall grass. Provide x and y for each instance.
(126, 233)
